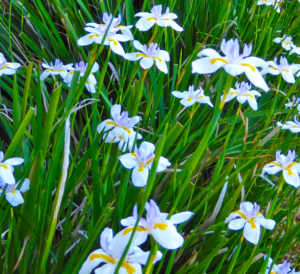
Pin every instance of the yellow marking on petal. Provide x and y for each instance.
(242, 94)
(72, 72)
(130, 229)
(159, 59)
(289, 168)
(89, 83)
(141, 54)
(272, 68)
(5, 167)
(115, 42)
(102, 256)
(286, 70)
(160, 226)
(248, 65)
(276, 164)
(214, 60)
(93, 35)
(121, 137)
(49, 70)
(134, 154)
(127, 129)
(62, 70)
(120, 26)
(4, 66)
(241, 214)
(294, 127)
(129, 268)
(200, 97)
(141, 168)
(253, 225)
(151, 160)
(112, 123)
(190, 99)
(13, 192)
(151, 18)
(288, 42)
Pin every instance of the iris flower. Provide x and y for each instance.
(58, 68)
(243, 93)
(82, 67)
(190, 97)
(13, 195)
(287, 71)
(156, 223)
(250, 219)
(6, 169)
(294, 127)
(112, 248)
(97, 33)
(294, 103)
(148, 20)
(121, 128)
(233, 62)
(286, 42)
(295, 50)
(147, 56)
(284, 268)
(286, 164)
(141, 163)
(275, 3)
(7, 68)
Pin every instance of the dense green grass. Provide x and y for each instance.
(33, 32)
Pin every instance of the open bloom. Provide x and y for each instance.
(243, 93)
(148, 20)
(156, 223)
(287, 71)
(295, 50)
(250, 219)
(286, 42)
(191, 97)
(7, 68)
(58, 68)
(97, 33)
(147, 56)
(82, 67)
(12, 194)
(233, 62)
(294, 103)
(121, 128)
(6, 169)
(284, 268)
(141, 163)
(111, 252)
(275, 3)
(294, 127)
(286, 164)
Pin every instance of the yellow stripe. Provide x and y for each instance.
(159, 59)
(127, 129)
(242, 94)
(105, 257)
(285, 70)
(5, 167)
(130, 229)
(93, 35)
(214, 60)
(4, 66)
(151, 18)
(129, 268)
(161, 226)
(248, 65)
(115, 42)
(141, 54)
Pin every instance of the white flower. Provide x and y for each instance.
(233, 62)
(250, 219)
(141, 163)
(7, 68)
(111, 252)
(112, 39)
(58, 68)
(294, 103)
(147, 56)
(82, 67)
(191, 97)
(243, 93)
(287, 71)
(295, 50)
(294, 127)
(6, 169)
(286, 42)
(275, 3)
(12, 194)
(156, 223)
(148, 20)
(285, 164)
(121, 128)
(284, 268)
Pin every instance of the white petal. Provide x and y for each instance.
(163, 163)
(87, 39)
(237, 224)
(187, 102)
(129, 221)
(138, 45)
(105, 238)
(208, 65)
(25, 185)
(252, 102)
(146, 148)
(133, 56)
(291, 178)
(116, 47)
(144, 24)
(167, 236)
(252, 235)
(179, 94)
(288, 77)
(45, 74)
(14, 197)
(255, 62)
(205, 100)
(90, 88)
(95, 67)
(234, 70)
(163, 55)
(143, 14)
(231, 217)
(14, 161)
(106, 125)
(161, 65)
(255, 78)
(272, 168)
(231, 95)
(181, 217)
(142, 257)
(7, 176)
(146, 62)
(270, 70)
(105, 269)
(94, 259)
(140, 176)
(209, 53)
(266, 223)
(129, 161)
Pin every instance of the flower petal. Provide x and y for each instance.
(237, 224)
(288, 76)
(252, 235)
(87, 39)
(266, 223)
(134, 56)
(129, 161)
(116, 47)
(105, 125)
(291, 178)
(146, 62)
(104, 269)
(181, 217)
(255, 78)
(7, 176)
(161, 65)
(208, 65)
(163, 163)
(272, 168)
(14, 197)
(140, 176)
(145, 24)
(14, 161)
(25, 185)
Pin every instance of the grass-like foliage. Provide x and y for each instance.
(217, 152)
